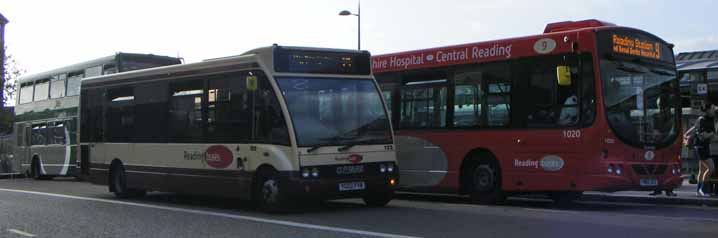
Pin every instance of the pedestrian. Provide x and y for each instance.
(704, 132)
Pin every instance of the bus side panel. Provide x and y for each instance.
(99, 168)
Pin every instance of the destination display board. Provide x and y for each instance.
(634, 43)
(321, 62)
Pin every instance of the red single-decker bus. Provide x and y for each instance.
(585, 106)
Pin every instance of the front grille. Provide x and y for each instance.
(330, 171)
(649, 169)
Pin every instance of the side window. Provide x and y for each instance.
(269, 123)
(109, 69)
(468, 98)
(499, 102)
(185, 123)
(91, 104)
(57, 133)
(151, 112)
(73, 83)
(94, 71)
(39, 134)
(120, 114)
(26, 93)
(57, 86)
(20, 130)
(423, 107)
(386, 93)
(42, 90)
(71, 127)
(229, 112)
(551, 104)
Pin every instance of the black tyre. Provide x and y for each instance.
(485, 183)
(268, 193)
(118, 184)
(378, 198)
(565, 198)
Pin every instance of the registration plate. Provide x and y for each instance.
(352, 186)
(649, 182)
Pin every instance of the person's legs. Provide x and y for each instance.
(710, 168)
(701, 168)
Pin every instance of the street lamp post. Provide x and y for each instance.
(348, 13)
(3, 21)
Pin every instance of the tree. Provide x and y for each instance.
(12, 72)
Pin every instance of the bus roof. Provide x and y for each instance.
(557, 38)
(249, 59)
(85, 65)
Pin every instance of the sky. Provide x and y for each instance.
(43, 35)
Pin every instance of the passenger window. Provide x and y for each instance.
(482, 96)
(185, 111)
(42, 90)
(73, 83)
(57, 133)
(57, 86)
(39, 134)
(423, 107)
(151, 112)
(120, 114)
(229, 113)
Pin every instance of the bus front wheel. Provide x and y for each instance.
(378, 199)
(485, 183)
(268, 191)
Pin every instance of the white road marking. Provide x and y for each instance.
(22, 233)
(218, 214)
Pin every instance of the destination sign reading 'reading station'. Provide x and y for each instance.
(636, 47)
(628, 44)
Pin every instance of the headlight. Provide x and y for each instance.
(610, 169)
(315, 172)
(390, 168)
(305, 173)
(619, 170)
(382, 168)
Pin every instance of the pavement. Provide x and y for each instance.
(685, 195)
(64, 207)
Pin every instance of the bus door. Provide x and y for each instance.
(547, 99)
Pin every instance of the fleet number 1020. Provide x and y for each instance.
(572, 134)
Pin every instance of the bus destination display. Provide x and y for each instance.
(317, 62)
(636, 47)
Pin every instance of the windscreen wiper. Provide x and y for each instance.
(359, 142)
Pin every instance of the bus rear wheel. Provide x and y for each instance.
(485, 183)
(36, 171)
(378, 198)
(565, 198)
(118, 184)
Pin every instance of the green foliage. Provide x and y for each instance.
(12, 72)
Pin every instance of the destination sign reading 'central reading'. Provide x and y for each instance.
(636, 47)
